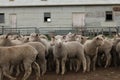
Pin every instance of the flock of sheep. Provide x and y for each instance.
(62, 53)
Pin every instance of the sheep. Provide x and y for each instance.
(70, 37)
(118, 49)
(37, 45)
(81, 39)
(74, 37)
(43, 36)
(62, 51)
(106, 49)
(15, 55)
(41, 55)
(115, 51)
(91, 50)
(35, 38)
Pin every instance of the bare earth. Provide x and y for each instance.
(99, 74)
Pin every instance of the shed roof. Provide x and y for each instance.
(4, 3)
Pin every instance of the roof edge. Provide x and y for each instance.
(49, 5)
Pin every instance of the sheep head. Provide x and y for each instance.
(99, 40)
(81, 39)
(57, 41)
(71, 37)
(34, 37)
(4, 40)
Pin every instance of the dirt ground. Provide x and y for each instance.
(99, 74)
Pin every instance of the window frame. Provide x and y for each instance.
(11, 0)
(47, 17)
(43, 0)
(109, 13)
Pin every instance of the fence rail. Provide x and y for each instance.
(88, 31)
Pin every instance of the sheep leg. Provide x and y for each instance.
(99, 59)
(78, 65)
(74, 65)
(11, 69)
(18, 70)
(57, 66)
(88, 63)
(5, 70)
(108, 55)
(21, 67)
(71, 64)
(28, 70)
(43, 67)
(1, 74)
(83, 60)
(36, 67)
(49, 65)
(115, 58)
(94, 62)
(63, 66)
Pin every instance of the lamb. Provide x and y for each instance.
(35, 38)
(70, 37)
(15, 55)
(62, 51)
(41, 52)
(37, 45)
(115, 51)
(43, 36)
(106, 49)
(74, 37)
(41, 55)
(91, 50)
(118, 49)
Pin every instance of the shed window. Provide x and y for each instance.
(43, 0)
(47, 17)
(1, 17)
(109, 16)
(11, 0)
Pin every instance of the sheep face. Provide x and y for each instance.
(81, 39)
(99, 41)
(4, 40)
(57, 41)
(34, 37)
(25, 39)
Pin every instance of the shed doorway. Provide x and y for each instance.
(13, 20)
(78, 22)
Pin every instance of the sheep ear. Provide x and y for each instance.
(27, 38)
(64, 37)
(53, 38)
(97, 38)
(37, 35)
(103, 36)
(7, 35)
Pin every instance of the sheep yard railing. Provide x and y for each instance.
(87, 31)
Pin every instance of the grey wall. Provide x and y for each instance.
(61, 16)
